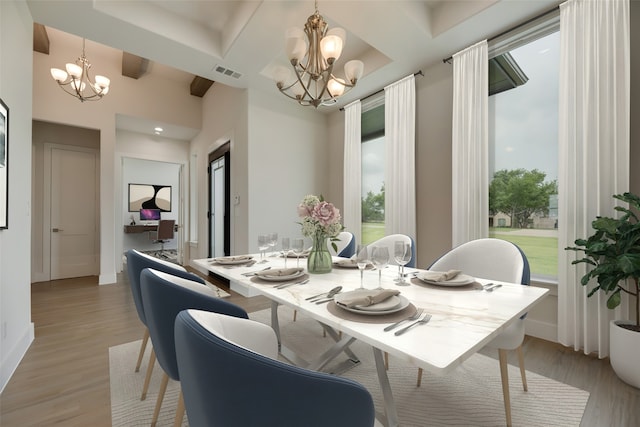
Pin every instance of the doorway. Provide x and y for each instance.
(72, 200)
(219, 171)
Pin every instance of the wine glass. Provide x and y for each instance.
(362, 259)
(263, 245)
(402, 255)
(298, 249)
(285, 249)
(273, 242)
(380, 258)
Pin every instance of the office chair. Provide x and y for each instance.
(163, 297)
(503, 261)
(164, 233)
(136, 262)
(230, 377)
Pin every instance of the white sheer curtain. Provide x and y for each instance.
(400, 154)
(352, 205)
(594, 153)
(470, 145)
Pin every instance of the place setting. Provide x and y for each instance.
(234, 261)
(278, 277)
(452, 279)
(371, 305)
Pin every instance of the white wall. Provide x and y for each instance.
(150, 97)
(279, 153)
(16, 328)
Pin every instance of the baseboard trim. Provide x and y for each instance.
(15, 356)
(544, 330)
(107, 279)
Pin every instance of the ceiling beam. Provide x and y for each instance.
(40, 39)
(133, 66)
(200, 86)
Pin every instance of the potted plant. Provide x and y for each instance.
(613, 252)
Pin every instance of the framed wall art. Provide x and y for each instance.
(4, 165)
(149, 196)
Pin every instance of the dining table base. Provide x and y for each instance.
(341, 345)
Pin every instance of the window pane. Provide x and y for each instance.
(373, 189)
(523, 157)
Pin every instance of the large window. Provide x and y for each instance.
(523, 157)
(373, 160)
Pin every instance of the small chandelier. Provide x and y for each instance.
(312, 59)
(76, 80)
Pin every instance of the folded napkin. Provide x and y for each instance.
(369, 298)
(440, 276)
(277, 272)
(292, 254)
(349, 262)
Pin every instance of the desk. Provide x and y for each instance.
(463, 320)
(139, 228)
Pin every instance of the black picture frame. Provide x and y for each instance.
(4, 165)
(149, 196)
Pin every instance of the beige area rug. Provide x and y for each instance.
(469, 396)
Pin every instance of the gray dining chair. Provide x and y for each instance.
(503, 261)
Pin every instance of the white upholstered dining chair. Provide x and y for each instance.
(503, 261)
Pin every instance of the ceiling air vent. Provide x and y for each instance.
(227, 72)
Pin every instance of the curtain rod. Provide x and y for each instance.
(528, 21)
(381, 90)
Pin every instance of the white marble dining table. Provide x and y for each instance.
(463, 318)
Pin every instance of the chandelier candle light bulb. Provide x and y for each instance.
(312, 59)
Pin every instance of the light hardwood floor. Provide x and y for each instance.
(64, 377)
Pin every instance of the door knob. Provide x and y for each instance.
(56, 230)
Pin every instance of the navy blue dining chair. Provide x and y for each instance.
(136, 262)
(230, 377)
(346, 245)
(163, 297)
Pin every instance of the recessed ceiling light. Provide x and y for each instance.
(158, 129)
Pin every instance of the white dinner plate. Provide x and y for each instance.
(274, 278)
(401, 305)
(232, 260)
(459, 280)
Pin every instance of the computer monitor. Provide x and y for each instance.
(147, 215)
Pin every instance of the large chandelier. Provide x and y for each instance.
(76, 80)
(312, 54)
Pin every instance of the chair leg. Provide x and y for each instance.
(179, 411)
(386, 361)
(295, 314)
(522, 370)
(504, 373)
(147, 378)
(419, 382)
(163, 389)
(143, 347)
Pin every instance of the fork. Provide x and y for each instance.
(286, 285)
(422, 321)
(414, 316)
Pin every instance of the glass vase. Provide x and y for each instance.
(319, 260)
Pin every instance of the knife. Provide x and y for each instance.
(329, 298)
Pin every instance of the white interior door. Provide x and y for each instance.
(74, 218)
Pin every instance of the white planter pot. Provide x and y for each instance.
(624, 347)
